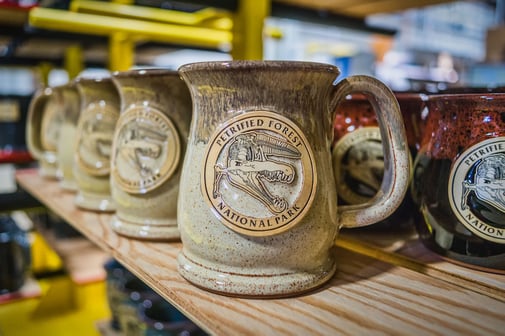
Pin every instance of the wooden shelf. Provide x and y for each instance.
(363, 8)
(368, 295)
(82, 259)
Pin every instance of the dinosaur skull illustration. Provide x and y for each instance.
(250, 166)
(489, 182)
(140, 147)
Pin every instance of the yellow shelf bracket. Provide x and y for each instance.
(121, 52)
(73, 60)
(248, 29)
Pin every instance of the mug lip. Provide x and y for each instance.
(88, 80)
(144, 72)
(466, 96)
(259, 65)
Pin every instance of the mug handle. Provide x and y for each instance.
(396, 152)
(34, 122)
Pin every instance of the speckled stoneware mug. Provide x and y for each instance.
(257, 207)
(95, 129)
(66, 146)
(148, 149)
(43, 129)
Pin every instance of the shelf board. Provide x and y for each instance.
(366, 296)
(404, 248)
(360, 9)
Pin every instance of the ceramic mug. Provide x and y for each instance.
(43, 129)
(70, 101)
(459, 179)
(95, 130)
(257, 207)
(148, 149)
(358, 159)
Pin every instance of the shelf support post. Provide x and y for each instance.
(73, 61)
(121, 52)
(248, 29)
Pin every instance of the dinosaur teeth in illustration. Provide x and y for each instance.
(249, 165)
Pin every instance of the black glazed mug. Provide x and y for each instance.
(459, 179)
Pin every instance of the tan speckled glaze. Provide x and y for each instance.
(151, 214)
(299, 258)
(45, 113)
(66, 146)
(99, 111)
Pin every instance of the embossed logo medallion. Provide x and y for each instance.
(477, 189)
(147, 150)
(259, 174)
(358, 164)
(94, 139)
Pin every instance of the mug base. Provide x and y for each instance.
(252, 285)
(68, 185)
(48, 171)
(94, 202)
(130, 229)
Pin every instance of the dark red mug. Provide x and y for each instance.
(459, 179)
(357, 152)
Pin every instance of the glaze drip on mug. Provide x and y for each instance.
(477, 189)
(259, 174)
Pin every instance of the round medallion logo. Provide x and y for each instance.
(146, 150)
(94, 139)
(477, 189)
(358, 165)
(259, 174)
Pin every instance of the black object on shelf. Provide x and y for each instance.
(15, 256)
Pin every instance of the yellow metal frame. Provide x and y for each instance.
(248, 29)
(208, 17)
(126, 24)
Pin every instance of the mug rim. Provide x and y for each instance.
(466, 96)
(258, 65)
(143, 72)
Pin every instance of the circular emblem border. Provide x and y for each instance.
(172, 159)
(456, 178)
(309, 176)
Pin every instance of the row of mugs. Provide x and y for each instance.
(233, 158)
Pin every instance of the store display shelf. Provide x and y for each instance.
(405, 249)
(82, 259)
(366, 296)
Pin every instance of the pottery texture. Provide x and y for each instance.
(67, 139)
(45, 117)
(261, 134)
(99, 113)
(148, 150)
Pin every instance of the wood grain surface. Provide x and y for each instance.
(367, 296)
(405, 249)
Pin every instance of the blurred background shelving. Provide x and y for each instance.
(410, 45)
